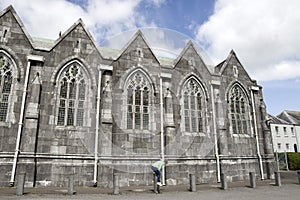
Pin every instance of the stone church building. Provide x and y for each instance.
(69, 108)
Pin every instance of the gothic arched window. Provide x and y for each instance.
(138, 102)
(5, 85)
(239, 111)
(72, 95)
(192, 106)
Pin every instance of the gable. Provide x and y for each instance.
(232, 67)
(78, 40)
(137, 49)
(12, 30)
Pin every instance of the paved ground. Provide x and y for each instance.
(290, 189)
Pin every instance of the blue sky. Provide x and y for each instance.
(263, 33)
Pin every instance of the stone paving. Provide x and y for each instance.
(266, 189)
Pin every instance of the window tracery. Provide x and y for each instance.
(192, 106)
(238, 111)
(138, 102)
(5, 86)
(72, 96)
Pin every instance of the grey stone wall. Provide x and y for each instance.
(49, 153)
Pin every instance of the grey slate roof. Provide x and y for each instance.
(277, 120)
(293, 117)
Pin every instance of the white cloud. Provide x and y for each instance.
(280, 71)
(264, 35)
(44, 18)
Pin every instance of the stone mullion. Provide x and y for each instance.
(67, 104)
(76, 104)
(133, 109)
(1, 87)
(189, 112)
(142, 109)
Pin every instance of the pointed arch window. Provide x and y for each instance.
(239, 111)
(138, 102)
(72, 95)
(5, 86)
(192, 106)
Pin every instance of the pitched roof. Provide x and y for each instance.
(276, 120)
(290, 116)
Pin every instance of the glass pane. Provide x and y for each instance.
(72, 90)
(3, 111)
(137, 109)
(200, 129)
(61, 116)
(138, 97)
(233, 122)
(71, 103)
(81, 95)
(145, 109)
(129, 120)
(70, 119)
(193, 102)
(62, 103)
(187, 124)
(79, 117)
(80, 104)
(130, 108)
(199, 102)
(145, 98)
(145, 121)
(137, 121)
(194, 127)
(63, 90)
(129, 96)
(5, 97)
(186, 101)
(7, 85)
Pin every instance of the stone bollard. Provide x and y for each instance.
(116, 189)
(298, 173)
(156, 187)
(223, 182)
(71, 185)
(20, 186)
(252, 179)
(192, 183)
(277, 179)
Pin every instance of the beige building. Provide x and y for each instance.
(285, 129)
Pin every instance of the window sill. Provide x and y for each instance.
(5, 124)
(194, 134)
(241, 136)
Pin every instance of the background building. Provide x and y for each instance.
(285, 129)
(71, 107)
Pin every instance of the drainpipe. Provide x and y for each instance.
(96, 158)
(162, 129)
(97, 127)
(215, 132)
(21, 118)
(254, 88)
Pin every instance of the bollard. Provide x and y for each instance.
(277, 179)
(252, 179)
(223, 182)
(116, 190)
(156, 187)
(20, 186)
(192, 183)
(71, 185)
(298, 173)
